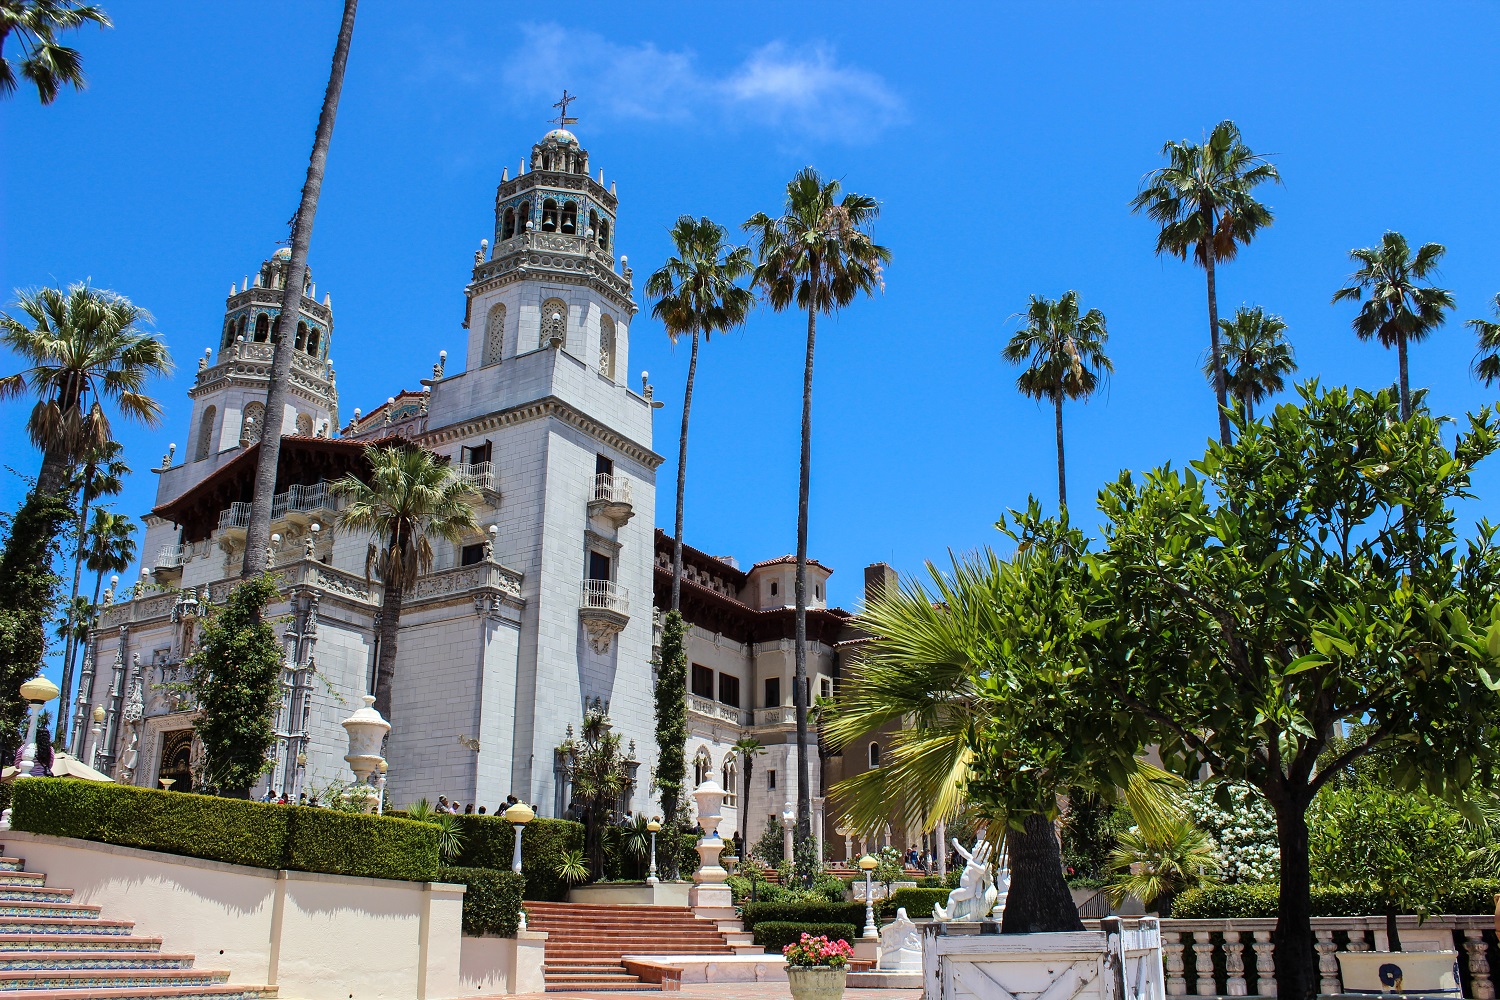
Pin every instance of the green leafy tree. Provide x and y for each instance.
(1306, 574)
(1065, 359)
(268, 459)
(236, 684)
(1402, 305)
(28, 588)
(817, 255)
(1157, 868)
(746, 749)
(697, 293)
(1486, 366)
(671, 731)
(44, 63)
(1257, 356)
(1408, 848)
(412, 497)
(598, 766)
(771, 847)
(1204, 202)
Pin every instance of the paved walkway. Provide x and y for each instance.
(725, 991)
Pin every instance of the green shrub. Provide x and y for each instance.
(918, 902)
(492, 902)
(337, 843)
(1226, 902)
(773, 935)
(489, 842)
(803, 913)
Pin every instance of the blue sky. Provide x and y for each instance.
(1003, 141)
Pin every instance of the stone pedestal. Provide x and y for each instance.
(710, 897)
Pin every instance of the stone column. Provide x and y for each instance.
(1203, 963)
(1479, 964)
(942, 848)
(1234, 964)
(1328, 965)
(1265, 964)
(1172, 952)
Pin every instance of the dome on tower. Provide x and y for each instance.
(561, 135)
(285, 253)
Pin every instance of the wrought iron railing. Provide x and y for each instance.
(604, 595)
(611, 489)
(479, 475)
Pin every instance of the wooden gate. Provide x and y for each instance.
(962, 962)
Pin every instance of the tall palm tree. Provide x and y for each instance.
(36, 23)
(412, 497)
(83, 348)
(110, 546)
(819, 256)
(102, 475)
(1203, 202)
(1257, 356)
(697, 293)
(1403, 305)
(258, 530)
(1487, 358)
(1065, 356)
(747, 748)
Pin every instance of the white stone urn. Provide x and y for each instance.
(367, 731)
(709, 797)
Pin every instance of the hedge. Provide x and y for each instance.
(492, 903)
(234, 831)
(489, 842)
(803, 913)
(1260, 899)
(774, 935)
(918, 902)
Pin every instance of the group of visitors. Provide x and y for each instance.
(444, 805)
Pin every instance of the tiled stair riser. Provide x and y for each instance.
(12, 864)
(29, 909)
(97, 963)
(33, 894)
(11, 982)
(63, 927)
(77, 943)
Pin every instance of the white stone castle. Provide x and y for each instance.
(548, 610)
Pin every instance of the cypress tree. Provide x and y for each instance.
(671, 730)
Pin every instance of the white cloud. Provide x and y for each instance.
(805, 91)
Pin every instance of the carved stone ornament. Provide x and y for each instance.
(602, 627)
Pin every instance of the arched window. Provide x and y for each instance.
(228, 332)
(206, 434)
(304, 424)
(593, 232)
(554, 322)
(523, 217)
(252, 424)
(607, 347)
(509, 228)
(549, 216)
(546, 161)
(604, 233)
(731, 781)
(241, 330)
(301, 336)
(703, 767)
(314, 339)
(494, 336)
(569, 218)
(874, 754)
(262, 328)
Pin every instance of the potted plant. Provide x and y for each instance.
(817, 967)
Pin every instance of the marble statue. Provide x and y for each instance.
(977, 892)
(900, 945)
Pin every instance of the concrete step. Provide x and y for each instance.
(99, 960)
(211, 992)
(102, 979)
(12, 864)
(78, 943)
(29, 908)
(33, 892)
(63, 925)
(10, 876)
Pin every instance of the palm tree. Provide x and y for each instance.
(696, 293)
(103, 475)
(46, 64)
(747, 748)
(1203, 202)
(1158, 867)
(83, 348)
(1403, 306)
(258, 530)
(110, 546)
(1257, 356)
(1066, 359)
(412, 497)
(818, 256)
(1487, 358)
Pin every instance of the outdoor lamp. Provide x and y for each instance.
(654, 826)
(36, 691)
(868, 865)
(382, 767)
(518, 816)
(96, 729)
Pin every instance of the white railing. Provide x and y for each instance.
(299, 499)
(712, 709)
(479, 475)
(604, 595)
(236, 516)
(611, 489)
(775, 716)
(169, 557)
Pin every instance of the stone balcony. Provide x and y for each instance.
(298, 505)
(604, 609)
(717, 711)
(781, 715)
(611, 499)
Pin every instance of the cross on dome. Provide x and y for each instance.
(562, 120)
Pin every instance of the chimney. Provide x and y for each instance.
(880, 581)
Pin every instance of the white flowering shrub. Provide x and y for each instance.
(1245, 834)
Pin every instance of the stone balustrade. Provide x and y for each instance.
(1235, 958)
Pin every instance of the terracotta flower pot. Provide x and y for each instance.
(816, 982)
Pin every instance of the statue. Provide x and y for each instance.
(977, 893)
(900, 945)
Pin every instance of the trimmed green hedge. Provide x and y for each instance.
(803, 913)
(774, 935)
(489, 842)
(1226, 902)
(492, 903)
(918, 902)
(234, 831)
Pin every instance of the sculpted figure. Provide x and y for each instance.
(976, 894)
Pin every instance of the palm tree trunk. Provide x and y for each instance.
(1401, 367)
(385, 664)
(1039, 898)
(71, 650)
(799, 683)
(1062, 475)
(1220, 391)
(258, 532)
(687, 406)
(745, 808)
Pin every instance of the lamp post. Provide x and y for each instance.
(788, 829)
(518, 816)
(95, 730)
(37, 692)
(382, 767)
(867, 864)
(653, 826)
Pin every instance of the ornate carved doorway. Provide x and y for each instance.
(176, 760)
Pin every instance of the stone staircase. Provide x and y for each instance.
(54, 949)
(585, 942)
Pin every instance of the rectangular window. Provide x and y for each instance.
(703, 681)
(729, 690)
(827, 686)
(598, 566)
(603, 466)
(471, 554)
(773, 588)
(473, 455)
(771, 780)
(773, 692)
